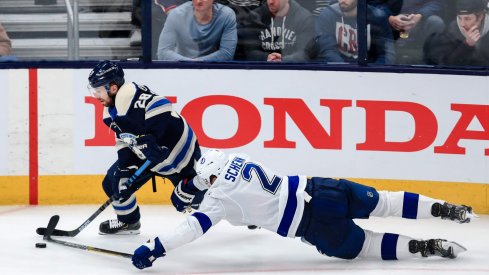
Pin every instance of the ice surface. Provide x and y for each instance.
(224, 249)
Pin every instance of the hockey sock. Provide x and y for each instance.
(386, 246)
(127, 211)
(404, 204)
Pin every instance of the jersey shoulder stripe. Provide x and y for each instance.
(158, 105)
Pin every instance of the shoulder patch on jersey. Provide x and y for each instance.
(124, 98)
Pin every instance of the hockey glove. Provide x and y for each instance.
(151, 150)
(147, 253)
(183, 194)
(119, 187)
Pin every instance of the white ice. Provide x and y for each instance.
(224, 249)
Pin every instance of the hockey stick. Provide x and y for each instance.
(74, 232)
(50, 229)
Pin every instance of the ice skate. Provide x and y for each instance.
(116, 227)
(436, 247)
(447, 211)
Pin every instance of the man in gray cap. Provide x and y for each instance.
(466, 42)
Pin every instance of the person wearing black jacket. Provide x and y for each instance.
(413, 23)
(242, 8)
(466, 42)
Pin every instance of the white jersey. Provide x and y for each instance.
(246, 193)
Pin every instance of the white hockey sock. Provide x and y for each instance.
(386, 246)
(403, 204)
(126, 207)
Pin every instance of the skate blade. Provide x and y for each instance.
(471, 215)
(457, 248)
(129, 232)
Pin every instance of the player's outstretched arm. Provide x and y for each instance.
(193, 228)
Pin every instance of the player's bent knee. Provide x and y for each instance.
(345, 242)
(107, 186)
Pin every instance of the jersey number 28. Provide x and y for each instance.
(141, 102)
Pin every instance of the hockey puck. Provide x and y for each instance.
(41, 245)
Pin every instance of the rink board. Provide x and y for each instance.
(58, 190)
(426, 133)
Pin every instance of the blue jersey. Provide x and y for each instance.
(138, 111)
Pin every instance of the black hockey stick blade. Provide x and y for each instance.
(74, 232)
(56, 232)
(50, 228)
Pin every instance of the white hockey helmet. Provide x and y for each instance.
(210, 164)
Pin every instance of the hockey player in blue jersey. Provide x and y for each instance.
(318, 210)
(145, 124)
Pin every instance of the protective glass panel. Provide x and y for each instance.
(431, 32)
(70, 30)
(236, 30)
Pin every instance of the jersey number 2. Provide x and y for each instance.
(270, 186)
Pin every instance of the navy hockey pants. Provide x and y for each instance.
(327, 221)
(188, 172)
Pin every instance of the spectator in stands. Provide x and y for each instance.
(336, 29)
(242, 8)
(466, 42)
(316, 6)
(279, 30)
(5, 46)
(159, 12)
(413, 22)
(389, 7)
(200, 30)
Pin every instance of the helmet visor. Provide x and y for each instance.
(97, 92)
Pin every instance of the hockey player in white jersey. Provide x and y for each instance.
(318, 210)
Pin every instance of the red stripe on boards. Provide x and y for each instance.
(33, 139)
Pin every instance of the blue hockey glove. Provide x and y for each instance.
(147, 253)
(151, 150)
(183, 195)
(119, 186)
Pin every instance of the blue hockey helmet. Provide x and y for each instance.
(105, 73)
